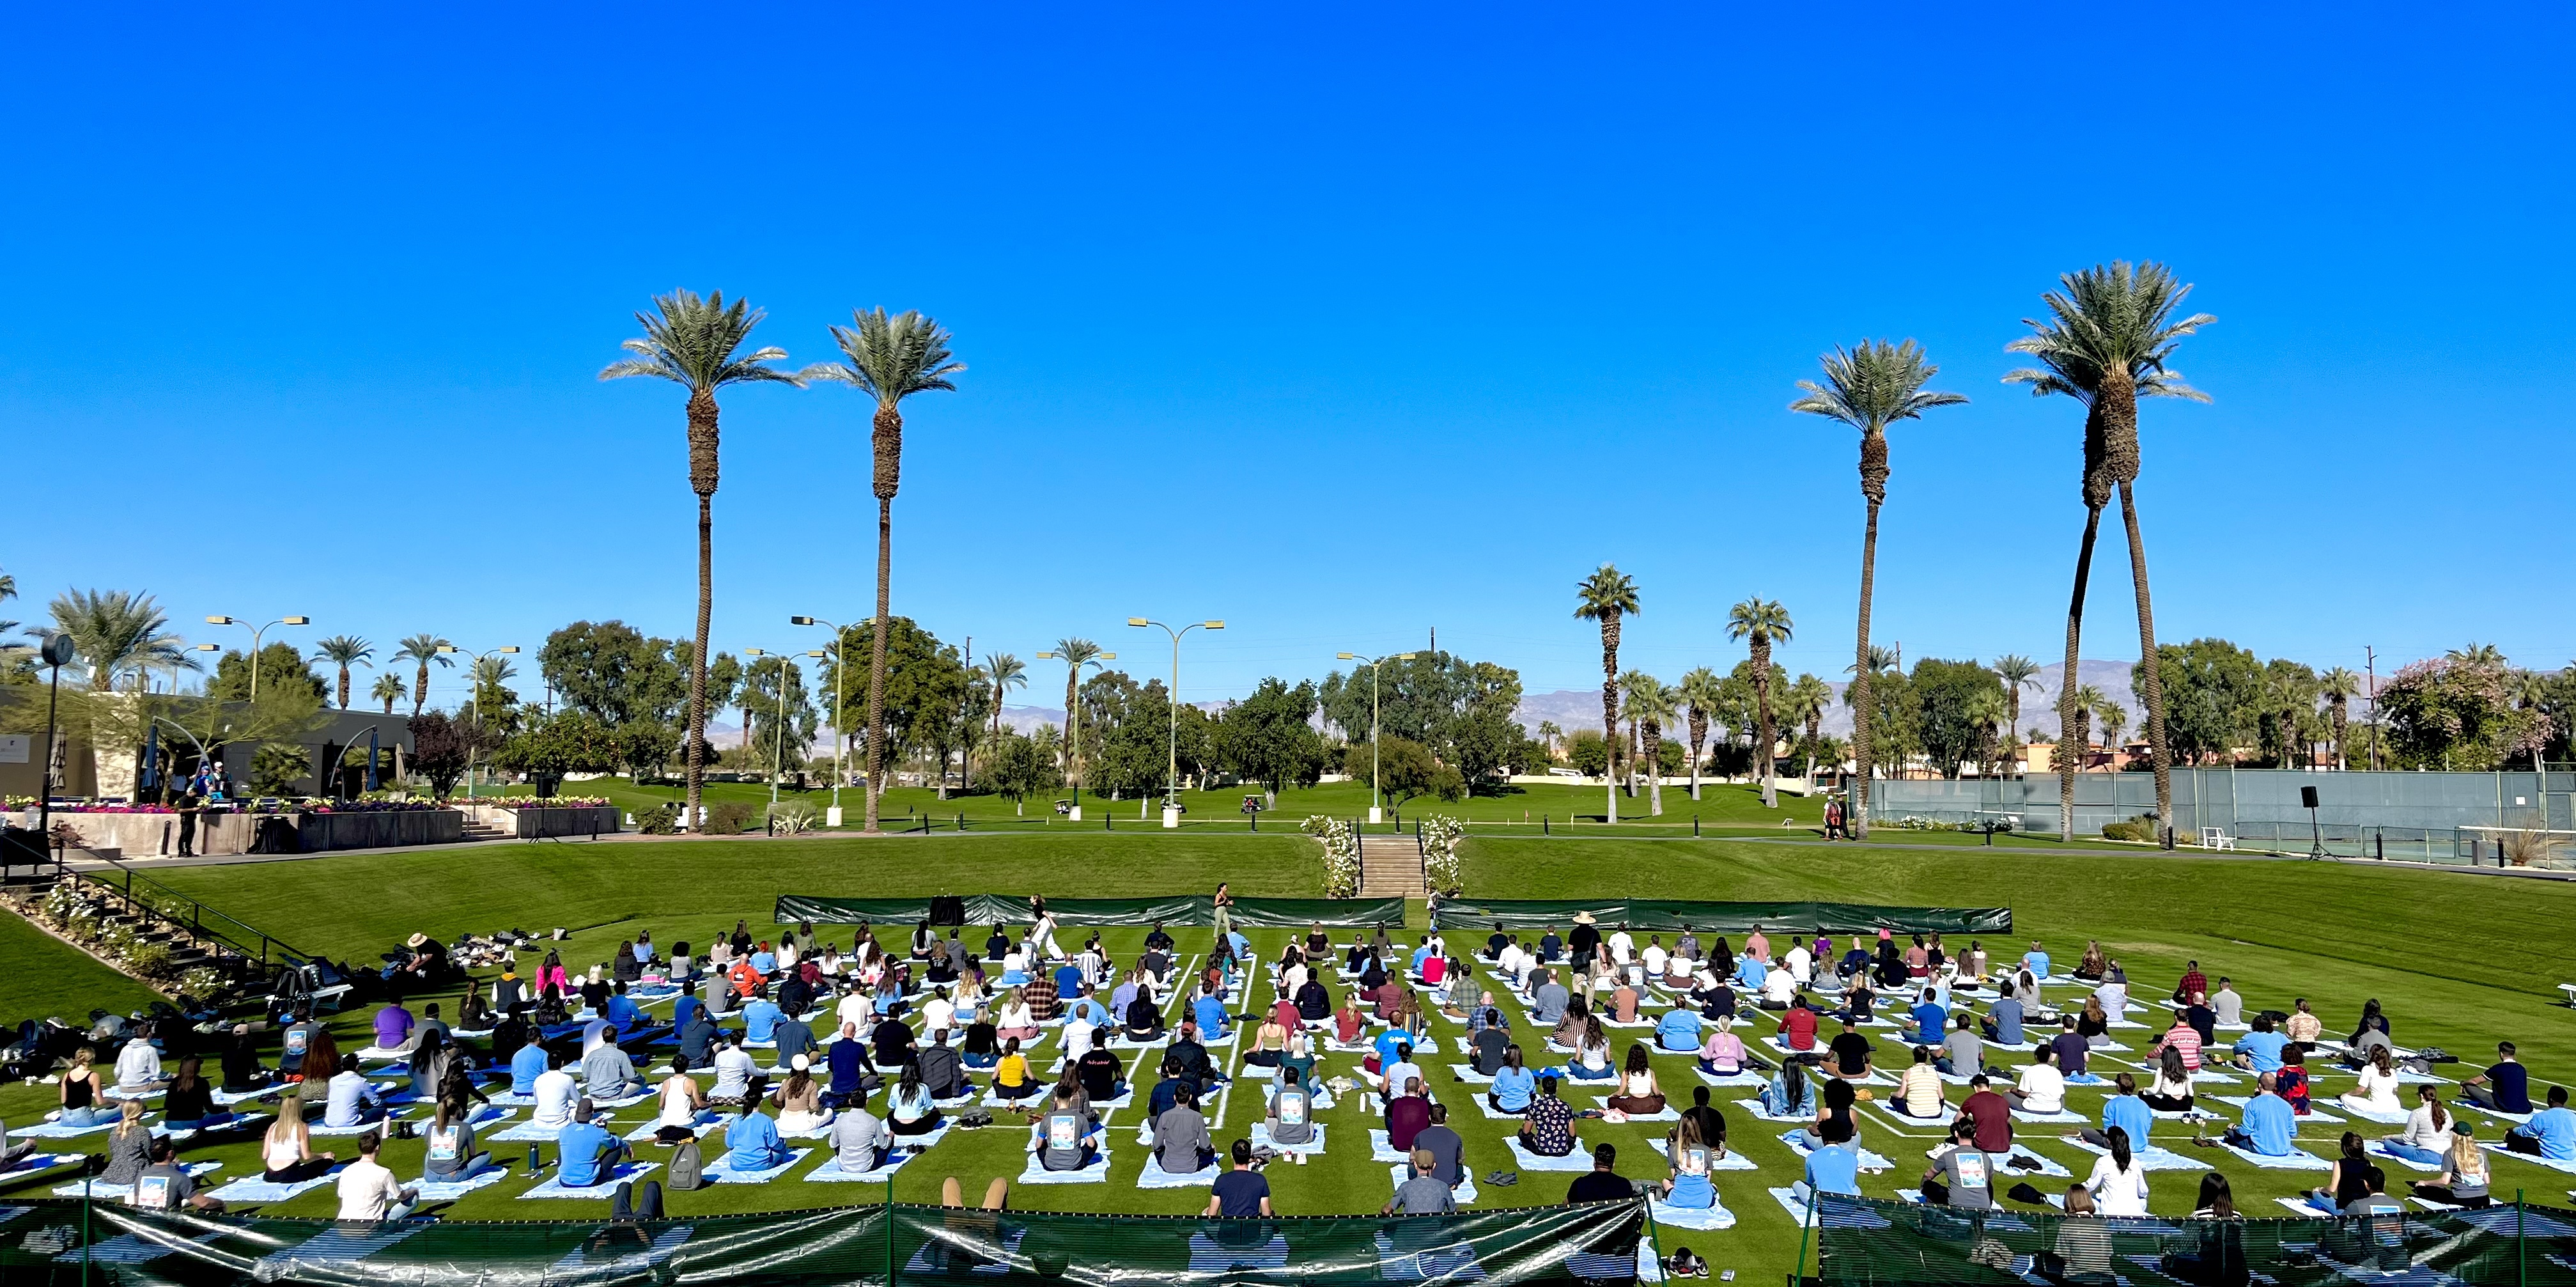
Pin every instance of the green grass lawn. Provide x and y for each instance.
(2458, 960)
(46, 976)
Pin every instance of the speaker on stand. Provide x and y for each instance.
(2316, 834)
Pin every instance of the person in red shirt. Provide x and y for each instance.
(2291, 1083)
(1285, 1014)
(1798, 1026)
(745, 978)
(1990, 1114)
(2193, 987)
(1406, 1116)
(1348, 1020)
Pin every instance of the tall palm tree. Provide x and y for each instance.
(1005, 672)
(890, 359)
(345, 651)
(2017, 672)
(2113, 718)
(2080, 705)
(1700, 696)
(2477, 654)
(2106, 344)
(1869, 387)
(116, 631)
(424, 649)
(1077, 653)
(1761, 620)
(389, 689)
(1607, 596)
(1548, 732)
(490, 674)
(2339, 685)
(1805, 703)
(1650, 707)
(698, 344)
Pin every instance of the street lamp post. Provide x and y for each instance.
(1073, 722)
(57, 653)
(473, 702)
(840, 735)
(1172, 784)
(255, 633)
(1375, 775)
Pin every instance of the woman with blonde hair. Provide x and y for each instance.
(129, 1146)
(286, 1153)
(2463, 1181)
(1017, 1021)
(82, 1096)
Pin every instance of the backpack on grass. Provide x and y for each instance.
(688, 1169)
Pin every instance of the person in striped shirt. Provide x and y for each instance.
(2181, 1037)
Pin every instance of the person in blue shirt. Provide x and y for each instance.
(2124, 1110)
(764, 960)
(1088, 1009)
(1238, 945)
(760, 1017)
(1931, 1021)
(589, 1153)
(1513, 1085)
(2260, 1050)
(2551, 1133)
(1678, 1031)
(687, 1005)
(525, 1067)
(622, 1012)
(1389, 1045)
(751, 1143)
(850, 1068)
(1068, 980)
(1167, 1092)
(1749, 972)
(1835, 1168)
(1209, 1011)
(2268, 1123)
(2037, 959)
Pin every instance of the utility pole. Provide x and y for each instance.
(2370, 663)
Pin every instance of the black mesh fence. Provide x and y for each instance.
(57, 1244)
(1862, 1240)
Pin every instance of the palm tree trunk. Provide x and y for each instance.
(1762, 709)
(1610, 714)
(1698, 736)
(1654, 770)
(2339, 761)
(1859, 692)
(1072, 745)
(695, 753)
(2154, 696)
(420, 688)
(2066, 685)
(344, 688)
(877, 662)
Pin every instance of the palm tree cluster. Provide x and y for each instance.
(702, 345)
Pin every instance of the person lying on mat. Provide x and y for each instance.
(1547, 1128)
(2041, 1090)
(2505, 1086)
(2267, 1125)
(2550, 1134)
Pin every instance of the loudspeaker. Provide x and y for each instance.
(2307, 797)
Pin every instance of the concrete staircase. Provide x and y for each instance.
(478, 829)
(1390, 866)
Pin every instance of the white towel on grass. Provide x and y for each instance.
(58, 1131)
(2151, 1157)
(1035, 1172)
(1261, 1139)
(377, 1126)
(1744, 1078)
(2297, 1160)
(720, 1173)
(830, 1171)
(2500, 1150)
(2047, 1166)
(1869, 1161)
(2379, 1149)
(253, 1189)
(35, 1162)
(1468, 1074)
(1579, 1158)
(2397, 1118)
(1668, 1113)
(1155, 1177)
(1754, 1106)
(553, 1186)
(1712, 1216)
(525, 1133)
(100, 1190)
(2301, 1206)
(1463, 1195)
(451, 1190)
(2061, 1115)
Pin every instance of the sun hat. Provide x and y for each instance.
(415, 940)
(1583, 918)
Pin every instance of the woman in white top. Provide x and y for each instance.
(2119, 1179)
(2429, 1131)
(680, 1102)
(287, 1152)
(1639, 1095)
(1293, 978)
(1592, 1054)
(2377, 1093)
(1017, 1019)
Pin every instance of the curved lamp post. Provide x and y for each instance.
(840, 735)
(1073, 723)
(255, 633)
(1172, 785)
(1375, 776)
(473, 693)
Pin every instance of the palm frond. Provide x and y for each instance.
(697, 343)
(1874, 384)
(2114, 317)
(890, 357)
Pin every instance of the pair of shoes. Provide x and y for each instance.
(1503, 1179)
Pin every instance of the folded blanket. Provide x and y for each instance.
(1155, 1177)
(2151, 1157)
(718, 1172)
(2061, 1115)
(553, 1186)
(1733, 1161)
(1708, 1217)
(253, 1190)
(2295, 1160)
(1261, 1139)
(1579, 1158)
(1035, 1172)
(450, 1190)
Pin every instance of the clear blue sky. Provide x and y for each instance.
(1339, 324)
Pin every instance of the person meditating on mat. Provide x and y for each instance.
(1798, 1027)
(2550, 1135)
(1514, 1085)
(1181, 1143)
(1291, 1115)
(2505, 1086)
(752, 1144)
(2463, 1179)
(1723, 1053)
(1918, 1091)
(1962, 1176)
(860, 1141)
(1962, 1054)
(1408, 1111)
(2041, 1090)
(2267, 1125)
(588, 1155)
(1850, 1053)
(368, 1190)
(1547, 1128)
(2260, 1050)
(351, 1099)
(2125, 1110)
(909, 1108)
(2183, 1040)
(2428, 1131)
(2002, 1023)
(1792, 1092)
(1678, 1031)
(1834, 1165)
(1639, 1094)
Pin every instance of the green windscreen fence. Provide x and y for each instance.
(1722, 918)
(1019, 909)
(58, 1244)
(1862, 1240)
